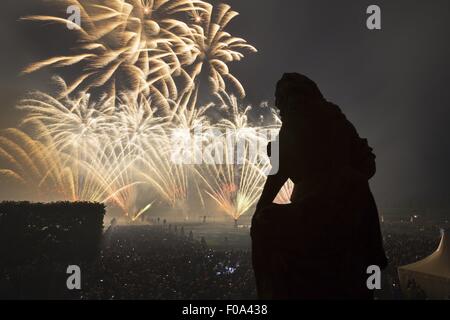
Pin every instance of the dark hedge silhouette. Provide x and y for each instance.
(60, 231)
(39, 240)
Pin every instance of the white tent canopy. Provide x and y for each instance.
(431, 274)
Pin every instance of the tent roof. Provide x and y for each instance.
(438, 263)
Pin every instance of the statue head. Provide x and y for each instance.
(295, 92)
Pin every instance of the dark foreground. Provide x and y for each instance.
(144, 262)
(158, 262)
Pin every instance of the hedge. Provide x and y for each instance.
(35, 233)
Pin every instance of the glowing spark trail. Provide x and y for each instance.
(107, 134)
(214, 48)
(234, 188)
(284, 196)
(73, 124)
(148, 46)
(138, 40)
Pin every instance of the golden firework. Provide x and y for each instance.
(284, 196)
(214, 48)
(135, 44)
(109, 132)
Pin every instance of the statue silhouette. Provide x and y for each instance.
(320, 245)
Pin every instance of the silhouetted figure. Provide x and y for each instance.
(320, 245)
(203, 243)
(191, 236)
(204, 219)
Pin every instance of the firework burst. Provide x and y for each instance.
(73, 124)
(214, 48)
(27, 162)
(132, 42)
(235, 188)
(146, 58)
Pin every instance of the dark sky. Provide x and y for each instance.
(392, 84)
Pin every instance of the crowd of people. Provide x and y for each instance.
(162, 262)
(405, 244)
(158, 262)
(168, 262)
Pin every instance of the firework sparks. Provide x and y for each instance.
(138, 40)
(105, 177)
(284, 196)
(167, 179)
(138, 120)
(142, 211)
(234, 188)
(147, 57)
(28, 162)
(213, 48)
(73, 124)
(145, 44)
(103, 151)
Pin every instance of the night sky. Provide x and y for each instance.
(392, 84)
